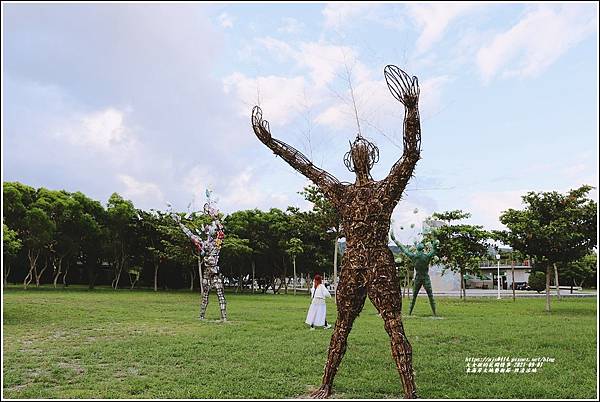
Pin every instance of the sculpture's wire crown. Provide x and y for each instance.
(363, 154)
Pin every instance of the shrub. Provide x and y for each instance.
(537, 281)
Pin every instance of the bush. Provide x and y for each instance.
(537, 281)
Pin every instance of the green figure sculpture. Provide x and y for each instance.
(421, 261)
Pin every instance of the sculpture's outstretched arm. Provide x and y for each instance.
(401, 246)
(434, 248)
(325, 181)
(195, 239)
(406, 90)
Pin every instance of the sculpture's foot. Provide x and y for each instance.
(201, 318)
(412, 396)
(323, 392)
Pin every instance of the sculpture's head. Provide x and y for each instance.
(361, 157)
(420, 247)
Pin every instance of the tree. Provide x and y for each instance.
(235, 252)
(294, 248)
(151, 232)
(17, 199)
(122, 217)
(178, 251)
(38, 240)
(461, 246)
(93, 237)
(249, 225)
(11, 245)
(65, 213)
(555, 229)
(134, 275)
(326, 218)
(581, 272)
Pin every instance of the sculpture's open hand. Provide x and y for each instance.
(404, 88)
(260, 126)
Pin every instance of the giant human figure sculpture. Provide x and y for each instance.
(365, 207)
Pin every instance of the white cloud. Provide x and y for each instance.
(241, 190)
(487, 206)
(339, 14)
(290, 26)
(325, 63)
(536, 41)
(431, 94)
(278, 48)
(280, 97)
(376, 105)
(244, 191)
(434, 18)
(322, 60)
(226, 20)
(147, 193)
(104, 129)
(338, 116)
(196, 181)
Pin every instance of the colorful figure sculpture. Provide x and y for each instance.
(365, 207)
(421, 261)
(208, 250)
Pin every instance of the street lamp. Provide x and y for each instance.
(498, 258)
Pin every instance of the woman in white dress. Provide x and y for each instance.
(318, 310)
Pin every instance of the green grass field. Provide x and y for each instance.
(141, 344)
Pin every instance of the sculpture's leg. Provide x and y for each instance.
(385, 295)
(351, 295)
(206, 284)
(417, 286)
(427, 286)
(221, 296)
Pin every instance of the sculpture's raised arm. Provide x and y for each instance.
(405, 250)
(195, 239)
(406, 90)
(434, 248)
(325, 181)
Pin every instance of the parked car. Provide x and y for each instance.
(522, 286)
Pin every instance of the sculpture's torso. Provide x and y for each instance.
(421, 263)
(366, 221)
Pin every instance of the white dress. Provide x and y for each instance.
(318, 309)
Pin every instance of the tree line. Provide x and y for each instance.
(63, 238)
(66, 238)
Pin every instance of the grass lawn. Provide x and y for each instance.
(123, 344)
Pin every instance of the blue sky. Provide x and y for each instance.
(153, 101)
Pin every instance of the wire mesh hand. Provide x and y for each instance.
(404, 88)
(260, 126)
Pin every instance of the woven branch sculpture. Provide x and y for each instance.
(365, 207)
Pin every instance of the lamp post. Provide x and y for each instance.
(498, 258)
